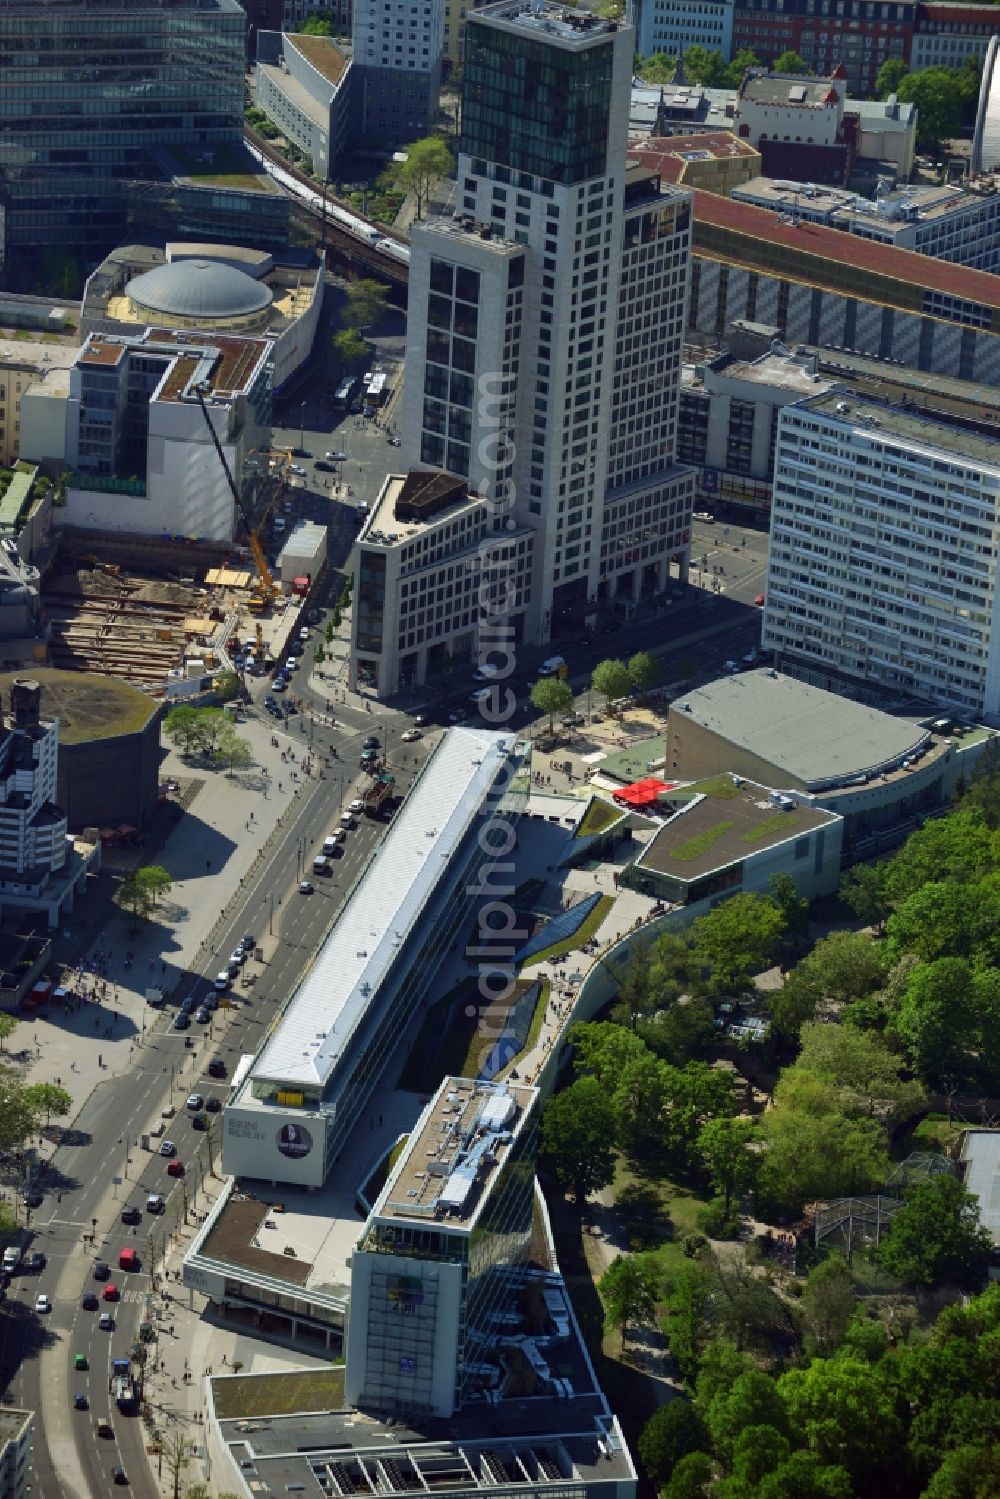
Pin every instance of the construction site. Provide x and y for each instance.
(151, 612)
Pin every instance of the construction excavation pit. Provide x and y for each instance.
(137, 628)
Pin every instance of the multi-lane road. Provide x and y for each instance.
(109, 1170)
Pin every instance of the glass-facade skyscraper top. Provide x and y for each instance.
(528, 105)
(87, 94)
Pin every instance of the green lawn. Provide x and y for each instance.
(228, 168)
(598, 816)
(720, 786)
(584, 933)
(934, 1132)
(777, 823)
(677, 1212)
(701, 842)
(249, 1395)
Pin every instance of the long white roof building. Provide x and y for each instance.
(384, 907)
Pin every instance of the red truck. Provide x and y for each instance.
(377, 793)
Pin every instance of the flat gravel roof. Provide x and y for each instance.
(813, 735)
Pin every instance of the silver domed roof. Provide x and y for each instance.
(203, 289)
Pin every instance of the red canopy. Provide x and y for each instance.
(643, 793)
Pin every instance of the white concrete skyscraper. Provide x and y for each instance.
(546, 317)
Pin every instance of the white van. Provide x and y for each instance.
(321, 865)
(346, 820)
(330, 842)
(550, 667)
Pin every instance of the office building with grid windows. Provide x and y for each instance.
(89, 93)
(398, 54)
(547, 314)
(883, 527)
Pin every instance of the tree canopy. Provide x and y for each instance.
(936, 1237)
(790, 62)
(551, 695)
(427, 163)
(577, 1138)
(628, 1289)
(611, 679)
(737, 938)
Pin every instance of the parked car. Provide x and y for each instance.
(221, 983)
(336, 456)
(35, 1263)
(409, 736)
(305, 887)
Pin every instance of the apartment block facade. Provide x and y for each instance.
(881, 569)
(670, 26)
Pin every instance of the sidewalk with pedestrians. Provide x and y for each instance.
(212, 851)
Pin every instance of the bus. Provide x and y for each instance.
(344, 392)
(375, 393)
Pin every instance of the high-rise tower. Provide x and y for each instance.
(546, 316)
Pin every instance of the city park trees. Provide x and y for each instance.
(208, 733)
(872, 1020)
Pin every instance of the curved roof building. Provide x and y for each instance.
(986, 138)
(200, 294)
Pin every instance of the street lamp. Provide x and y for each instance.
(270, 915)
(302, 426)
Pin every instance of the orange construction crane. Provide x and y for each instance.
(268, 589)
